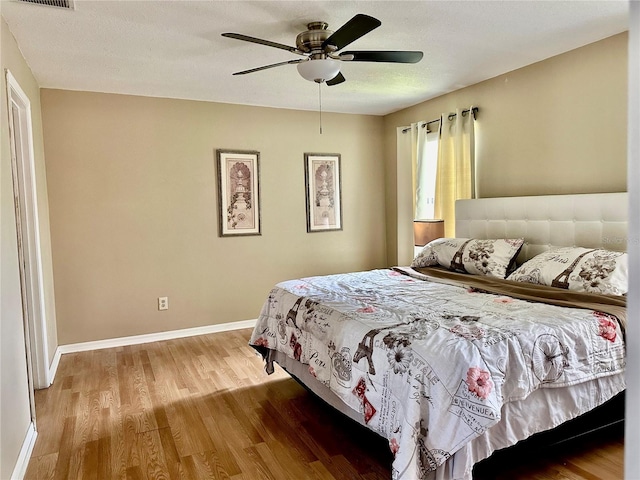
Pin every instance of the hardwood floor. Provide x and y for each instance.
(202, 407)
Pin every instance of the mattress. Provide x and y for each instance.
(443, 371)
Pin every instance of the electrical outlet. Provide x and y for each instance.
(163, 303)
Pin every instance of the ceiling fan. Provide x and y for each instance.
(319, 47)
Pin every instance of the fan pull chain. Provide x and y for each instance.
(320, 102)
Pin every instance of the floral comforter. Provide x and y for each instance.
(428, 364)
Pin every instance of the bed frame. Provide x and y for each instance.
(589, 220)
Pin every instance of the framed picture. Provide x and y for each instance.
(324, 191)
(239, 192)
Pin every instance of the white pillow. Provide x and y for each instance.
(479, 257)
(579, 269)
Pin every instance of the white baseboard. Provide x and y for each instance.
(25, 453)
(151, 337)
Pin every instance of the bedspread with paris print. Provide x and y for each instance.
(428, 364)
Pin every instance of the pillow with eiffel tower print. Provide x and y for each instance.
(577, 268)
(493, 257)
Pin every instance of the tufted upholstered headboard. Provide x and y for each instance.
(585, 220)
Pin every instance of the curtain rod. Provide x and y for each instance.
(450, 117)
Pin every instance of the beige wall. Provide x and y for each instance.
(133, 204)
(134, 214)
(557, 126)
(14, 397)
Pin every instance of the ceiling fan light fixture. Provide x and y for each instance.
(319, 70)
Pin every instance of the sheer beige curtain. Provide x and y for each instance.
(401, 244)
(424, 154)
(455, 176)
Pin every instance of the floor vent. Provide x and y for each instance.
(68, 4)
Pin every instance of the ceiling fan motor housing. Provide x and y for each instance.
(311, 41)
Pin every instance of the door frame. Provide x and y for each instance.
(27, 221)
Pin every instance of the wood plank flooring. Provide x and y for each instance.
(203, 408)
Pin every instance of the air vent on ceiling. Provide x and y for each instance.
(68, 4)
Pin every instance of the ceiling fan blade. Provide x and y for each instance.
(355, 28)
(246, 38)
(339, 78)
(290, 62)
(382, 56)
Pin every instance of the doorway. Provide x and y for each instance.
(27, 226)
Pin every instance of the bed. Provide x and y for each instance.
(449, 361)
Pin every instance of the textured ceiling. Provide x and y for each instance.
(174, 48)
